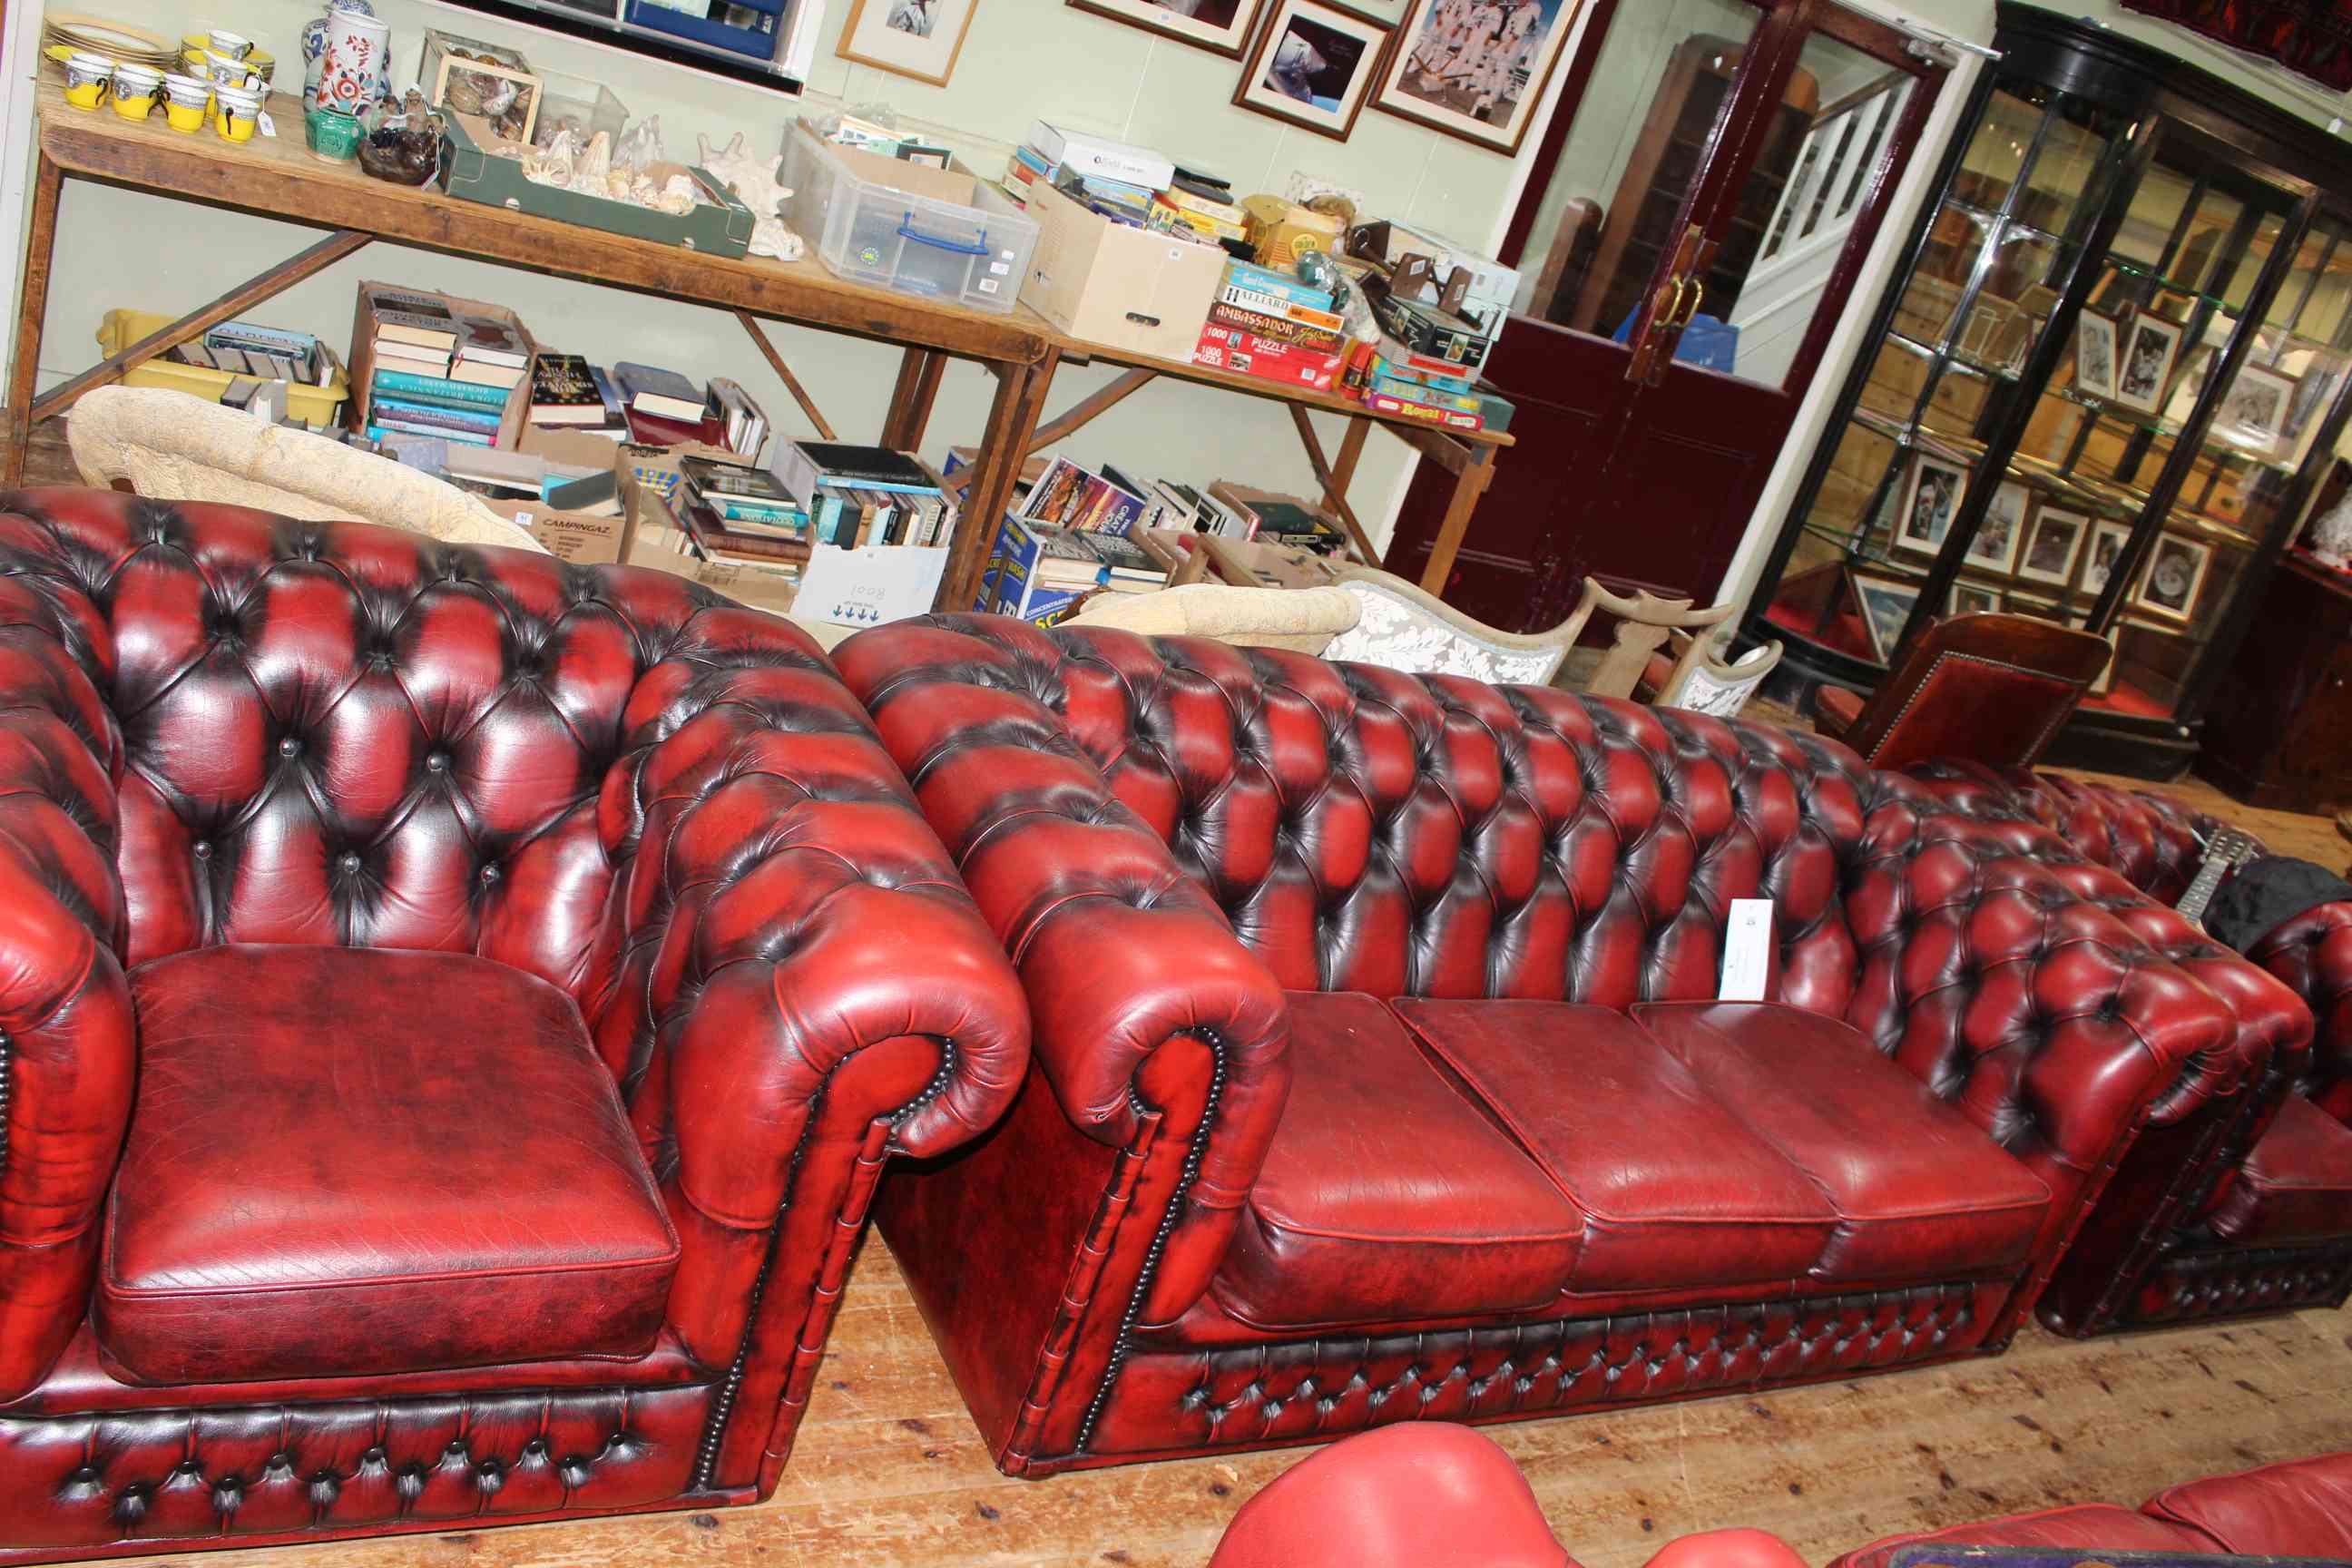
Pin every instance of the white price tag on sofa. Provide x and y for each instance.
(1747, 951)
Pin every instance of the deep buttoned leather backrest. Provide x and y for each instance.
(346, 733)
(1366, 830)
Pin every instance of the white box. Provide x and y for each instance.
(1090, 154)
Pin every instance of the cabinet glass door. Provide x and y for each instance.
(1985, 277)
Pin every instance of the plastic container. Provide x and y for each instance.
(565, 98)
(941, 233)
(118, 328)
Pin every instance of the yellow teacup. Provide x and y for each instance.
(239, 114)
(86, 79)
(183, 116)
(134, 90)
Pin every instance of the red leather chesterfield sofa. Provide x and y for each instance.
(454, 1010)
(1376, 1080)
(2246, 1206)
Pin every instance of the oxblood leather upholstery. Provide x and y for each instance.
(2300, 1508)
(2245, 1206)
(220, 728)
(1166, 834)
(320, 1175)
(1422, 1495)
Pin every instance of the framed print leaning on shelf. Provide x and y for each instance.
(2146, 364)
(2095, 356)
(2253, 412)
(1476, 69)
(2307, 410)
(1930, 500)
(1314, 64)
(2051, 545)
(2107, 542)
(2175, 575)
(1973, 599)
(1886, 607)
(1995, 544)
(919, 38)
(1220, 27)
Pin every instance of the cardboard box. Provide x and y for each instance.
(517, 414)
(1127, 288)
(446, 55)
(583, 539)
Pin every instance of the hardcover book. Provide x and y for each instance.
(665, 394)
(563, 393)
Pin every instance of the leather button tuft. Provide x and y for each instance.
(349, 862)
(490, 873)
(289, 747)
(203, 849)
(437, 762)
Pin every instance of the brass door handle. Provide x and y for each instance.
(1699, 298)
(1662, 313)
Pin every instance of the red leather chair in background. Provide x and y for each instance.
(455, 1007)
(2245, 1206)
(1991, 689)
(1298, 937)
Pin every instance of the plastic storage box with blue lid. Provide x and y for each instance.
(941, 233)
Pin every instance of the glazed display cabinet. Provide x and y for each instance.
(2101, 389)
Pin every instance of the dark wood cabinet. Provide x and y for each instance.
(2280, 732)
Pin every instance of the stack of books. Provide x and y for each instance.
(569, 392)
(266, 353)
(435, 371)
(1043, 574)
(743, 425)
(742, 517)
(1069, 495)
(1272, 325)
(1276, 519)
(662, 408)
(857, 495)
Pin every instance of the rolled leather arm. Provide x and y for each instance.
(69, 1037)
(1121, 952)
(2312, 956)
(783, 910)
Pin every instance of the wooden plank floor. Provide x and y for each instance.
(889, 1472)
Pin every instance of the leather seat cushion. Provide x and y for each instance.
(348, 1160)
(2093, 1526)
(1920, 1191)
(2297, 1185)
(1674, 1190)
(1388, 1194)
(2300, 1508)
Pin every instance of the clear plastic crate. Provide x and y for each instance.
(941, 233)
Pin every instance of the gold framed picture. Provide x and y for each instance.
(918, 39)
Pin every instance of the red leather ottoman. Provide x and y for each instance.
(371, 1162)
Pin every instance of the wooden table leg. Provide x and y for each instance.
(1335, 488)
(1011, 420)
(784, 373)
(196, 323)
(1469, 484)
(40, 243)
(911, 399)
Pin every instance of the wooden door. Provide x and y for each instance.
(1642, 439)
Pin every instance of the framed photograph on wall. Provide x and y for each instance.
(1996, 541)
(919, 38)
(2095, 356)
(1220, 27)
(1313, 65)
(2146, 365)
(1973, 599)
(2107, 542)
(2175, 575)
(1930, 500)
(1476, 69)
(2052, 545)
(1886, 607)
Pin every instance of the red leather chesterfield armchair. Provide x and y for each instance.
(454, 1010)
(1377, 1078)
(2246, 1206)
